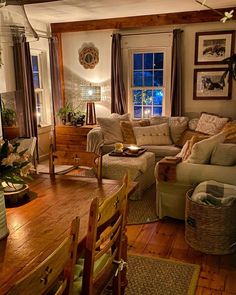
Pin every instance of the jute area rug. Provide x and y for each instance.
(156, 276)
(143, 210)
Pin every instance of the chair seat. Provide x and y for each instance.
(79, 268)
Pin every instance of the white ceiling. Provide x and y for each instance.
(80, 10)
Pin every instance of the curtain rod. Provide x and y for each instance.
(147, 33)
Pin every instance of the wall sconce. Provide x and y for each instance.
(90, 94)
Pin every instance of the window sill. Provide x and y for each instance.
(44, 129)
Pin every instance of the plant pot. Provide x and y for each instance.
(3, 221)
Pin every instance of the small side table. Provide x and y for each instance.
(167, 168)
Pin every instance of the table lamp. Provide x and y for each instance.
(91, 94)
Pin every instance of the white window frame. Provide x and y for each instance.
(131, 71)
(159, 42)
(40, 92)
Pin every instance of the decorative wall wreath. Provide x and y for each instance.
(88, 57)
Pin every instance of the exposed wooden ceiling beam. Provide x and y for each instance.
(19, 2)
(140, 21)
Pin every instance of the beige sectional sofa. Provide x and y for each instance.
(146, 136)
(171, 141)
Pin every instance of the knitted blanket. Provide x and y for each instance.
(214, 193)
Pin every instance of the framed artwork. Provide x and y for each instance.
(213, 47)
(208, 84)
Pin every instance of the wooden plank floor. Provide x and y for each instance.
(166, 239)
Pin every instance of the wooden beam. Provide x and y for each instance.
(140, 21)
(20, 2)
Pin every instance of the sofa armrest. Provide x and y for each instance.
(95, 140)
(188, 173)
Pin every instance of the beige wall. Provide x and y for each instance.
(75, 74)
(222, 107)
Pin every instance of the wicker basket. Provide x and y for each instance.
(211, 230)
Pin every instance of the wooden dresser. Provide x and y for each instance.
(72, 138)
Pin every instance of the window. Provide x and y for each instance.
(39, 90)
(147, 85)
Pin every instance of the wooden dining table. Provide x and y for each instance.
(41, 222)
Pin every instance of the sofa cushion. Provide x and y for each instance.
(153, 135)
(161, 151)
(224, 154)
(128, 132)
(201, 151)
(124, 117)
(177, 127)
(187, 135)
(110, 135)
(211, 124)
(192, 123)
(156, 120)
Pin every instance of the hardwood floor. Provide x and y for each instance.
(166, 239)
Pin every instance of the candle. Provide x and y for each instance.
(133, 149)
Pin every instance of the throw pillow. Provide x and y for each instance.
(127, 132)
(156, 120)
(201, 151)
(224, 154)
(211, 124)
(187, 148)
(230, 132)
(124, 117)
(187, 135)
(192, 124)
(177, 127)
(111, 131)
(153, 135)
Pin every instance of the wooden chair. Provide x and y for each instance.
(88, 164)
(103, 246)
(55, 274)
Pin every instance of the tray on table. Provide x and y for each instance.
(127, 153)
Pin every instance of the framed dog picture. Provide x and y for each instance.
(213, 47)
(211, 84)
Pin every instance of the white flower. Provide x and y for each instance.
(10, 147)
(228, 15)
(13, 157)
(24, 171)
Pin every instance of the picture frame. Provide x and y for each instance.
(207, 84)
(213, 47)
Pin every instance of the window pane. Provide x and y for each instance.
(157, 111)
(35, 65)
(147, 97)
(148, 61)
(158, 78)
(138, 61)
(158, 60)
(138, 79)
(147, 112)
(148, 78)
(36, 80)
(137, 112)
(157, 97)
(137, 97)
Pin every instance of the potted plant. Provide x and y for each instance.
(65, 113)
(68, 114)
(8, 116)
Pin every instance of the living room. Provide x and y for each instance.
(138, 35)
